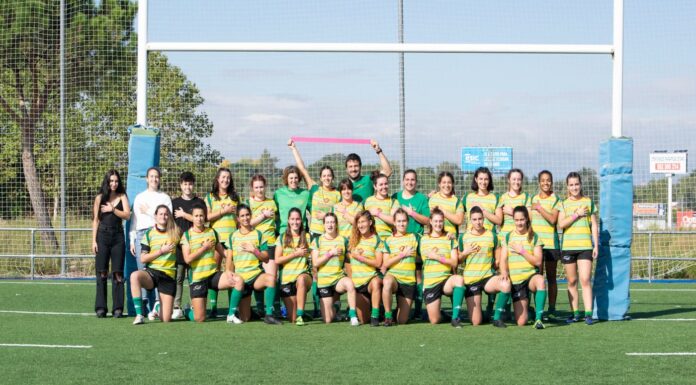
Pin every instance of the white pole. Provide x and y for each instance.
(617, 72)
(669, 201)
(382, 47)
(141, 89)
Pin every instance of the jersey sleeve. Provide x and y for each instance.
(459, 207)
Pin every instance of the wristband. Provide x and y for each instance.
(575, 216)
(378, 151)
(443, 260)
(328, 255)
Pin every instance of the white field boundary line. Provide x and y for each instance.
(46, 283)
(662, 354)
(44, 312)
(46, 346)
(666, 319)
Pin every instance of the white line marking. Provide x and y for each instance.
(663, 354)
(46, 283)
(47, 346)
(665, 319)
(44, 312)
(663, 289)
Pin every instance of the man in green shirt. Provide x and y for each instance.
(362, 184)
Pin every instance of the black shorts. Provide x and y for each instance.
(476, 288)
(363, 289)
(434, 293)
(406, 291)
(249, 286)
(572, 256)
(419, 263)
(327, 291)
(200, 289)
(271, 253)
(288, 290)
(164, 283)
(551, 255)
(521, 290)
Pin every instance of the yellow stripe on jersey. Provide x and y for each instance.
(322, 201)
(520, 269)
(507, 200)
(204, 266)
(226, 224)
(485, 202)
(435, 272)
(331, 272)
(546, 231)
(246, 264)
(166, 263)
(386, 205)
(267, 226)
(405, 270)
(345, 227)
(295, 266)
(451, 205)
(478, 265)
(578, 236)
(367, 247)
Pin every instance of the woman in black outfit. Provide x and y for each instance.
(111, 208)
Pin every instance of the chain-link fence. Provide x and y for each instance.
(240, 108)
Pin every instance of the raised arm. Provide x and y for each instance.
(385, 167)
(300, 164)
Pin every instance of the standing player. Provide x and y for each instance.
(416, 206)
(222, 204)
(477, 252)
(510, 199)
(362, 184)
(399, 258)
(328, 255)
(578, 220)
(521, 257)
(246, 252)
(292, 253)
(365, 262)
(263, 218)
(110, 209)
(544, 211)
(158, 254)
(484, 198)
(382, 206)
(142, 220)
(446, 200)
(183, 206)
(439, 254)
(202, 249)
(347, 209)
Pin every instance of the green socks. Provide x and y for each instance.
(268, 296)
(315, 296)
(500, 302)
(138, 304)
(457, 297)
(387, 315)
(189, 315)
(212, 298)
(576, 314)
(235, 298)
(375, 312)
(539, 300)
(588, 313)
(352, 313)
(300, 312)
(418, 303)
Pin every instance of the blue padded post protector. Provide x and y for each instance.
(613, 271)
(143, 153)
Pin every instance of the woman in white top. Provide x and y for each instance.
(143, 219)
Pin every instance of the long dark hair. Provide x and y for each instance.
(287, 239)
(105, 191)
(474, 185)
(231, 192)
(446, 174)
(574, 174)
(528, 222)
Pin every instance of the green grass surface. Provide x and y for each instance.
(215, 352)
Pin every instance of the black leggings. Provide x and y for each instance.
(110, 248)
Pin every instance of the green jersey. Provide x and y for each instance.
(286, 199)
(362, 188)
(419, 203)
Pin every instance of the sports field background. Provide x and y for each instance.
(182, 352)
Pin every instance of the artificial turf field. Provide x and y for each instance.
(664, 321)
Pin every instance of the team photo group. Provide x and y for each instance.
(391, 256)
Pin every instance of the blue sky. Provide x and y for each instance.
(553, 110)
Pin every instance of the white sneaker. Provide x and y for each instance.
(354, 321)
(139, 320)
(232, 319)
(154, 314)
(177, 314)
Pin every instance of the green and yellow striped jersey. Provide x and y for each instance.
(331, 272)
(435, 272)
(486, 202)
(506, 200)
(226, 224)
(362, 273)
(546, 231)
(405, 270)
(520, 269)
(246, 264)
(578, 236)
(267, 226)
(479, 265)
(450, 205)
(153, 241)
(345, 227)
(321, 200)
(386, 205)
(204, 266)
(295, 266)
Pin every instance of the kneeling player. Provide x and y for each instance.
(399, 258)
